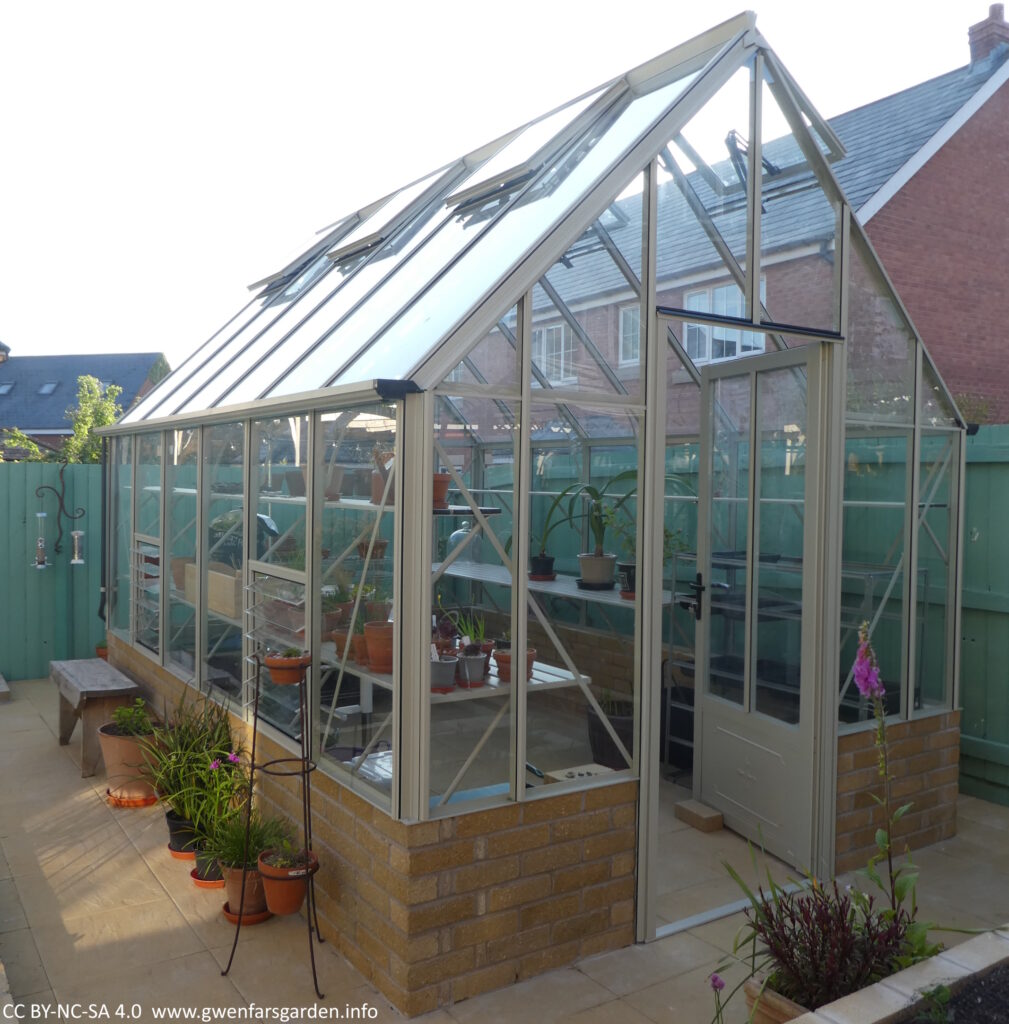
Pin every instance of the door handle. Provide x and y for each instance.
(698, 588)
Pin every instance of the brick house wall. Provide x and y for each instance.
(944, 240)
(925, 762)
(434, 912)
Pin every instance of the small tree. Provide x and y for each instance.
(96, 407)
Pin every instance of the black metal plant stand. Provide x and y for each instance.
(301, 766)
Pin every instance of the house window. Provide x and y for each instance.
(630, 335)
(708, 343)
(49, 387)
(551, 352)
(6, 386)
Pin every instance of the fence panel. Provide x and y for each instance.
(984, 658)
(50, 613)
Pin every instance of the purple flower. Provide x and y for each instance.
(215, 764)
(866, 668)
(233, 758)
(717, 984)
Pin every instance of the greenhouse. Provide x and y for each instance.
(575, 467)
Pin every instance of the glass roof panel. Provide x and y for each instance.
(523, 156)
(383, 221)
(284, 309)
(359, 281)
(493, 360)
(430, 317)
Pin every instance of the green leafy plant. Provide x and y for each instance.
(133, 719)
(471, 625)
(227, 842)
(287, 855)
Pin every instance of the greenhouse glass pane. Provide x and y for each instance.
(873, 553)
(798, 228)
(183, 462)
(935, 410)
(120, 541)
(429, 317)
(493, 360)
(880, 346)
(471, 599)
(937, 495)
(280, 487)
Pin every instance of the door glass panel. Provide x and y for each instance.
(781, 492)
(730, 512)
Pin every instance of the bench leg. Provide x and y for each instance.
(68, 718)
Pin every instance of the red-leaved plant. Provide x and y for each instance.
(820, 942)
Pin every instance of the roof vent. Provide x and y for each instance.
(988, 34)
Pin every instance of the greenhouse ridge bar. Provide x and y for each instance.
(575, 466)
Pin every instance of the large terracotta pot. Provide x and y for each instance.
(255, 897)
(767, 1006)
(378, 636)
(124, 769)
(441, 484)
(285, 887)
(287, 671)
(503, 660)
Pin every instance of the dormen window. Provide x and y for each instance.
(6, 386)
(49, 387)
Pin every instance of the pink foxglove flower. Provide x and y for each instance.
(866, 669)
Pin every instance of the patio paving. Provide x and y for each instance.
(94, 910)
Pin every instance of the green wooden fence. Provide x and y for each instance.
(50, 613)
(984, 650)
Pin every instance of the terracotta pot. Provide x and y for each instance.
(102, 651)
(334, 481)
(285, 888)
(378, 486)
(124, 768)
(377, 549)
(443, 674)
(503, 660)
(255, 898)
(359, 649)
(377, 611)
(339, 638)
(295, 483)
(441, 484)
(378, 636)
(768, 1007)
(287, 671)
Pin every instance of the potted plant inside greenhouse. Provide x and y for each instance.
(126, 766)
(288, 665)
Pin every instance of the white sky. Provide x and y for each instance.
(157, 158)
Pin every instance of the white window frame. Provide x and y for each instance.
(721, 300)
(555, 365)
(629, 352)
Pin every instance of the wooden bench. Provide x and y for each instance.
(90, 689)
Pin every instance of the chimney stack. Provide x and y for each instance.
(987, 34)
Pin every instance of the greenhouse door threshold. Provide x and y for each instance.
(757, 536)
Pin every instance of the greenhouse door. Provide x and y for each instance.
(757, 539)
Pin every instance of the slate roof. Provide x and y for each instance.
(24, 407)
(883, 135)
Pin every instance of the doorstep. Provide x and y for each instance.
(890, 998)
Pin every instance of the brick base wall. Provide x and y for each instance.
(435, 912)
(924, 763)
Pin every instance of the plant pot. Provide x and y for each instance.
(378, 486)
(377, 549)
(503, 660)
(334, 481)
(541, 567)
(469, 672)
(378, 636)
(207, 873)
(285, 888)
(337, 615)
(377, 611)
(295, 480)
(767, 1006)
(255, 897)
(440, 489)
(604, 750)
(443, 674)
(486, 647)
(339, 638)
(125, 767)
(181, 836)
(102, 651)
(444, 644)
(287, 671)
(359, 649)
(627, 579)
(596, 568)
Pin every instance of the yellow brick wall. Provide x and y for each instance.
(924, 759)
(434, 912)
